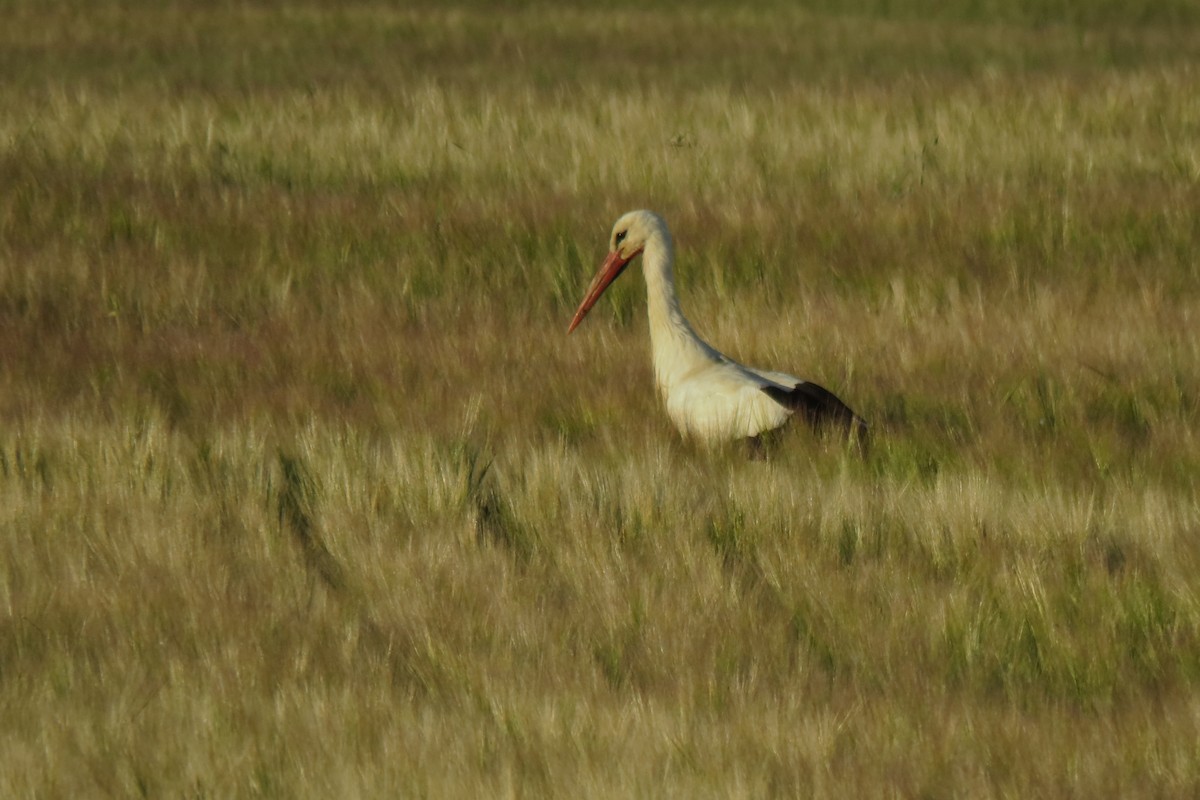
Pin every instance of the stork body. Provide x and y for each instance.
(709, 396)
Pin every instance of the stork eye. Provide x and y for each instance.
(621, 236)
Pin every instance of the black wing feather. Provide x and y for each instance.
(821, 408)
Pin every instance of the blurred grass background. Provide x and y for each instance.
(304, 491)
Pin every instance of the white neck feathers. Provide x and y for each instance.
(677, 350)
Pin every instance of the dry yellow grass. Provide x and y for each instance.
(303, 492)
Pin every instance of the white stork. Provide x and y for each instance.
(709, 396)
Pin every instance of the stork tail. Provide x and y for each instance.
(821, 408)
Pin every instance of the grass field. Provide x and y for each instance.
(304, 492)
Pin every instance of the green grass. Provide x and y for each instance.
(304, 492)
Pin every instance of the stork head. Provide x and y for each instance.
(627, 241)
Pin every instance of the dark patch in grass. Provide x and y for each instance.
(169, 393)
(30, 466)
(617, 657)
(848, 543)
(806, 630)
(1124, 410)
(730, 541)
(411, 663)
(610, 659)
(297, 503)
(1035, 403)
(495, 522)
(570, 422)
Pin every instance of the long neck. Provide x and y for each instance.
(676, 348)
